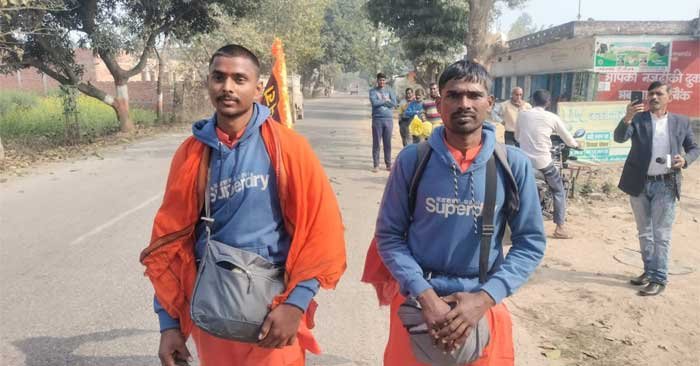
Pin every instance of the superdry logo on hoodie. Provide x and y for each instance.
(452, 206)
(228, 187)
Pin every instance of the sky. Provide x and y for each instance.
(556, 12)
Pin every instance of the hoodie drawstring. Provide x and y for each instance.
(472, 201)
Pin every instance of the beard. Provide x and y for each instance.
(462, 123)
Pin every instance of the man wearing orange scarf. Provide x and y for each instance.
(429, 250)
(269, 195)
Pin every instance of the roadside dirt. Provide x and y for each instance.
(579, 308)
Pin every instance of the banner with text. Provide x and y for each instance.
(683, 79)
(599, 119)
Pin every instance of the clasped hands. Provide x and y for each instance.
(451, 318)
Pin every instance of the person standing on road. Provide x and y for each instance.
(651, 177)
(269, 196)
(533, 130)
(403, 121)
(415, 108)
(430, 106)
(508, 112)
(431, 256)
(383, 102)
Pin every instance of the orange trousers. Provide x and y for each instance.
(499, 351)
(213, 351)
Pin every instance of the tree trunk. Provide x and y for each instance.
(159, 87)
(477, 29)
(121, 107)
(161, 73)
(2, 151)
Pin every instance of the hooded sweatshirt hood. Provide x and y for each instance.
(488, 141)
(437, 245)
(205, 130)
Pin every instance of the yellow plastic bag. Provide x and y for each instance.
(427, 129)
(415, 128)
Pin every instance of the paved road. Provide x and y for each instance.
(72, 290)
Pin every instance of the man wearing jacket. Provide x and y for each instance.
(433, 252)
(383, 102)
(651, 177)
(268, 195)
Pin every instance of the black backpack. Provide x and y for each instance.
(487, 224)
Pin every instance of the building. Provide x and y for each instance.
(605, 61)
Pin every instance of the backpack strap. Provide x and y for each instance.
(487, 218)
(424, 152)
(512, 191)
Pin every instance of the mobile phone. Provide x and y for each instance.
(636, 97)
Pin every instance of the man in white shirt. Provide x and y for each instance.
(533, 130)
(507, 112)
(652, 178)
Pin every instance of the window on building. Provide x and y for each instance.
(498, 88)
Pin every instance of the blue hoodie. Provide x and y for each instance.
(244, 203)
(441, 241)
(383, 102)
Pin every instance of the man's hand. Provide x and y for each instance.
(678, 162)
(280, 327)
(434, 310)
(173, 348)
(632, 109)
(468, 310)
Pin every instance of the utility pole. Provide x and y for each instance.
(579, 10)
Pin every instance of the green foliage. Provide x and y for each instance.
(346, 34)
(522, 26)
(43, 124)
(44, 34)
(10, 100)
(586, 188)
(431, 32)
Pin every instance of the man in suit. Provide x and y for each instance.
(652, 178)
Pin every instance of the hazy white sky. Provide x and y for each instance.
(555, 12)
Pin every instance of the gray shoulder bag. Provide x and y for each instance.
(410, 312)
(234, 288)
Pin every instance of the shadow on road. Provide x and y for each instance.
(42, 351)
(580, 277)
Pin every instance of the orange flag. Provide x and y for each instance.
(275, 95)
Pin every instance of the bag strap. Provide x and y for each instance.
(424, 152)
(512, 192)
(487, 219)
(208, 220)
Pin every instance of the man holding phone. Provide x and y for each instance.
(651, 177)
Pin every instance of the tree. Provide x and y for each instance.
(481, 46)
(431, 31)
(108, 27)
(522, 26)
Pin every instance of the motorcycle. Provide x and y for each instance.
(560, 157)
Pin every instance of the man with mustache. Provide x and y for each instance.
(433, 255)
(533, 130)
(508, 111)
(652, 179)
(268, 195)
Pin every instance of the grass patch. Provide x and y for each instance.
(28, 120)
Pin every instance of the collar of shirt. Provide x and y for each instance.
(654, 118)
(227, 139)
(464, 160)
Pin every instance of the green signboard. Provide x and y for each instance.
(619, 55)
(599, 119)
